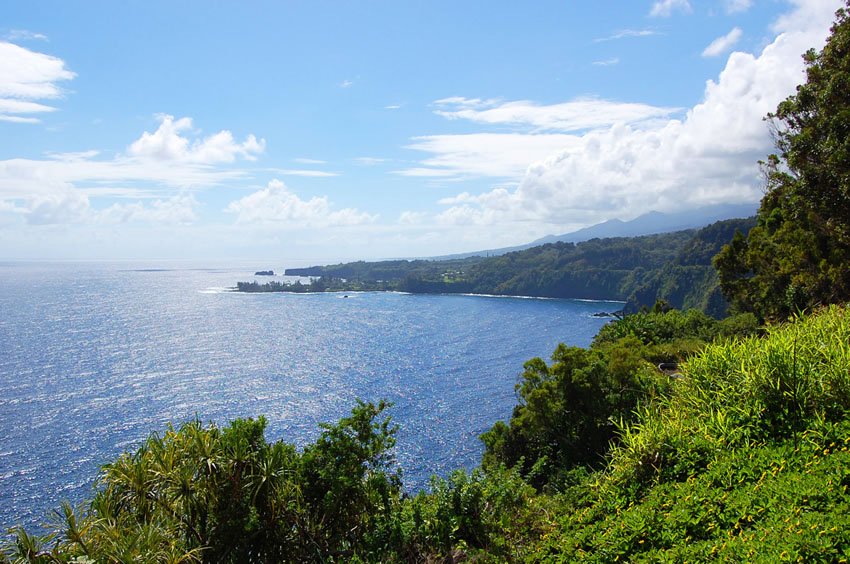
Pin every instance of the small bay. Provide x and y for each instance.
(94, 357)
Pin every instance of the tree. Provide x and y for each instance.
(205, 494)
(566, 415)
(797, 256)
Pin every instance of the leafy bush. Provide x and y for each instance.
(736, 395)
(204, 494)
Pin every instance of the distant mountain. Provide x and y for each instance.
(647, 224)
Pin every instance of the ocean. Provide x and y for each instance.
(96, 356)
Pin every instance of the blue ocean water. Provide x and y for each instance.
(93, 357)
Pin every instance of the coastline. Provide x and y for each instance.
(236, 290)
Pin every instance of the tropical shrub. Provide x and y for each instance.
(205, 494)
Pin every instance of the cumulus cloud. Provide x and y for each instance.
(665, 8)
(167, 144)
(25, 78)
(807, 15)
(60, 187)
(178, 209)
(61, 205)
(723, 44)
(278, 205)
(65, 205)
(7, 206)
(412, 218)
(708, 157)
(552, 128)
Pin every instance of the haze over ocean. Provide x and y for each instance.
(95, 356)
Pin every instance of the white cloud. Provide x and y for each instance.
(412, 218)
(27, 76)
(302, 172)
(26, 178)
(665, 8)
(7, 206)
(167, 144)
(308, 161)
(424, 172)
(607, 62)
(622, 34)
(484, 154)
(392, 107)
(61, 205)
(25, 35)
(19, 119)
(10, 106)
(709, 157)
(575, 115)
(508, 155)
(74, 156)
(60, 187)
(807, 14)
(179, 209)
(723, 44)
(369, 161)
(466, 103)
(277, 204)
(735, 6)
(346, 84)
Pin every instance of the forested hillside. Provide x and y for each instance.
(675, 267)
(689, 280)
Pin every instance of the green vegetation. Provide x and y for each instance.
(746, 460)
(320, 284)
(797, 257)
(675, 267)
(689, 281)
(226, 495)
(597, 269)
(568, 412)
(744, 457)
(738, 450)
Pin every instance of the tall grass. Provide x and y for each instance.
(742, 394)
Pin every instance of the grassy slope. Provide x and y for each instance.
(747, 461)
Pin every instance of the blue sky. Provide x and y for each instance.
(318, 131)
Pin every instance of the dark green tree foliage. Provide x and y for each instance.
(797, 256)
(568, 411)
(474, 511)
(675, 267)
(689, 281)
(562, 418)
(595, 269)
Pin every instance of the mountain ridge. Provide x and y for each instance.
(650, 223)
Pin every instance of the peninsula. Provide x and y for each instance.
(674, 267)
